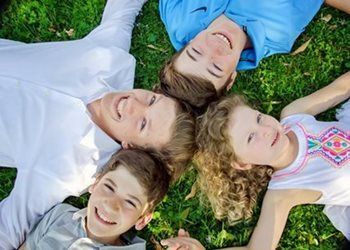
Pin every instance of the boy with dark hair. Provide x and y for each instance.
(123, 196)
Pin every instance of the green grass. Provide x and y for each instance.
(278, 80)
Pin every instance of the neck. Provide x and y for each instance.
(289, 154)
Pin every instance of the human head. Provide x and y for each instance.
(206, 67)
(125, 194)
(232, 192)
(144, 119)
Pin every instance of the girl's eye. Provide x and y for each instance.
(153, 99)
(250, 137)
(258, 118)
(109, 187)
(130, 203)
(143, 124)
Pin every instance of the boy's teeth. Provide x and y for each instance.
(223, 38)
(105, 219)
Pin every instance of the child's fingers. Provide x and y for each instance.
(183, 233)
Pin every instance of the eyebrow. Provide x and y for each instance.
(192, 57)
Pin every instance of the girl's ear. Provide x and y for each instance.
(241, 166)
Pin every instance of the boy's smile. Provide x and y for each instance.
(137, 117)
(116, 204)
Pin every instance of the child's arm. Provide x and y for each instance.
(321, 100)
(343, 5)
(274, 214)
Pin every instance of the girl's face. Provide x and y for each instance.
(257, 138)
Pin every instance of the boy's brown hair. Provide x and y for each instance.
(196, 91)
(150, 172)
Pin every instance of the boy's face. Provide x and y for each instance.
(116, 204)
(138, 117)
(211, 55)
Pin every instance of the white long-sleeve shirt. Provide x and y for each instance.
(45, 128)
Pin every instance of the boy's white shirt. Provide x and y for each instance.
(45, 127)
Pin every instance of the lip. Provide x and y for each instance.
(119, 106)
(102, 221)
(276, 139)
(226, 36)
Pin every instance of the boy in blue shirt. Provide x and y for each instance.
(216, 38)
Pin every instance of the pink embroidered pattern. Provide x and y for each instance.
(333, 145)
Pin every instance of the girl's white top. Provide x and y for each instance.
(322, 164)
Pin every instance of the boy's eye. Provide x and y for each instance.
(258, 118)
(109, 187)
(217, 67)
(153, 99)
(130, 203)
(250, 137)
(196, 51)
(143, 124)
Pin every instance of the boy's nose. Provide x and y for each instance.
(135, 107)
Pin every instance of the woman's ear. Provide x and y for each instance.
(241, 166)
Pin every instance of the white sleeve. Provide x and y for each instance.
(117, 24)
(343, 114)
(340, 217)
(32, 196)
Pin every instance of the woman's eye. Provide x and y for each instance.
(109, 187)
(153, 99)
(250, 137)
(143, 124)
(258, 118)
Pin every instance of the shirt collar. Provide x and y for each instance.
(95, 137)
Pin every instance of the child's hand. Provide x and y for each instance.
(182, 242)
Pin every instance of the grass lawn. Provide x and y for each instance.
(278, 80)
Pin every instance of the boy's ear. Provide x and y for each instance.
(143, 221)
(233, 78)
(126, 145)
(241, 166)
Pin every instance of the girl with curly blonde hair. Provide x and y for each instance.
(301, 160)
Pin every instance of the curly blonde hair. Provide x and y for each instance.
(232, 193)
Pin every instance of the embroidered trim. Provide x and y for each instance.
(332, 144)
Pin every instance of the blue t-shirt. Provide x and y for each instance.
(272, 25)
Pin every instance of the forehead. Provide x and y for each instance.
(240, 121)
(163, 119)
